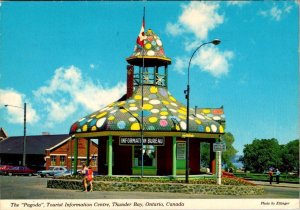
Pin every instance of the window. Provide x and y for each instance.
(62, 160)
(148, 155)
(94, 160)
(53, 160)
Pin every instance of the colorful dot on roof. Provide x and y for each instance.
(93, 122)
(133, 108)
(151, 128)
(153, 119)
(159, 43)
(163, 117)
(135, 126)
(163, 123)
(148, 106)
(221, 129)
(132, 119)
(137, 97)
(123, 110)
(206, 111)
(164, 113)
(198, 121)
(177, 127)
(201, 128)
(111, 117)
(181, 111)
(214, 128)
(207, 129)
(152, 96)
(165, 102)
(148, 46)
(101, 115)
(100, 122)
(154, 111)
(94, 128)
(121, 103)
(121, 125)
(113, 111)
(150, 53)
(135, 114)
(183, 125)
(173, 110)
(154, 102)
(173, 104)
(84, 128)
(172, 98)
(132, 105)
(182, 117)
(153, 89)
(216, 118)
(200, 116)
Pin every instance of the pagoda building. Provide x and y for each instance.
(143, 133)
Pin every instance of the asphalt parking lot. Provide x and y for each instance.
(23, 187)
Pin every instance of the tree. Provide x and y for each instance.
(230, 152)
(261, 155)
(227, 156)
(290, 156)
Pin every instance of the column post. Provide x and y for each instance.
(75, 155)
(212, 159)
(88, 151)
(109, 156)
(174, 165)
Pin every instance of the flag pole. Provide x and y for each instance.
(143, 71)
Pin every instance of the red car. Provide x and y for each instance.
(20, 170)
(4, 168)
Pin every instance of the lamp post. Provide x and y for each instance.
(24, 139)
(187, 96)
(142, 138)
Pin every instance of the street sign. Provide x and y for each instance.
(219, 147)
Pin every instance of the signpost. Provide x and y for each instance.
(219, 147)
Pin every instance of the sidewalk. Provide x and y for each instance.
(282, 184)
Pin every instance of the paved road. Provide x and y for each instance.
(35, 188)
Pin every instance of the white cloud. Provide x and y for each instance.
(276, 13)
(180, 64)
(198, 18)
(238, 2)
(213, 61)
(16, 109)
(69, 92)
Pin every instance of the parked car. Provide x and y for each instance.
(62, 174)
(52, 171)
(4, 168)
(20, 170)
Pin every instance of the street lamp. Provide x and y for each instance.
(24, 139)
(187, 96)
(142, 138)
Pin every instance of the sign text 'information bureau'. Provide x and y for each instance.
(158, 141)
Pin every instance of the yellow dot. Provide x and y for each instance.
(84, 128)
(148, 46)
(183, 108)
(92, 116)
(221, 129)
(153, 89)
(198, 121)
(94, 128)
(135, 126)
(111, 118)
(166, 102)
(182, 117)
(206, 111)
(137, 97)
(147, 106)
(135, 114)
(123, 110)
(181, 111)
(101, 114)
(177, 128)
(172, 98)
(164, 113)
(153, 119)
(132, 105)
(121, 103)
(207, 129)
(110, 105)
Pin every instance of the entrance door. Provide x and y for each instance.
(180, 157)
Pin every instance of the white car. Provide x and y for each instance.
(52, 171)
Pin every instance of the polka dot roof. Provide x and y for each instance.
(162, 112)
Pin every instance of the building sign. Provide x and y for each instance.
(219, 147)
(180, 150)
(157, 141)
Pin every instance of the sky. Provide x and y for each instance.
(68, 59)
